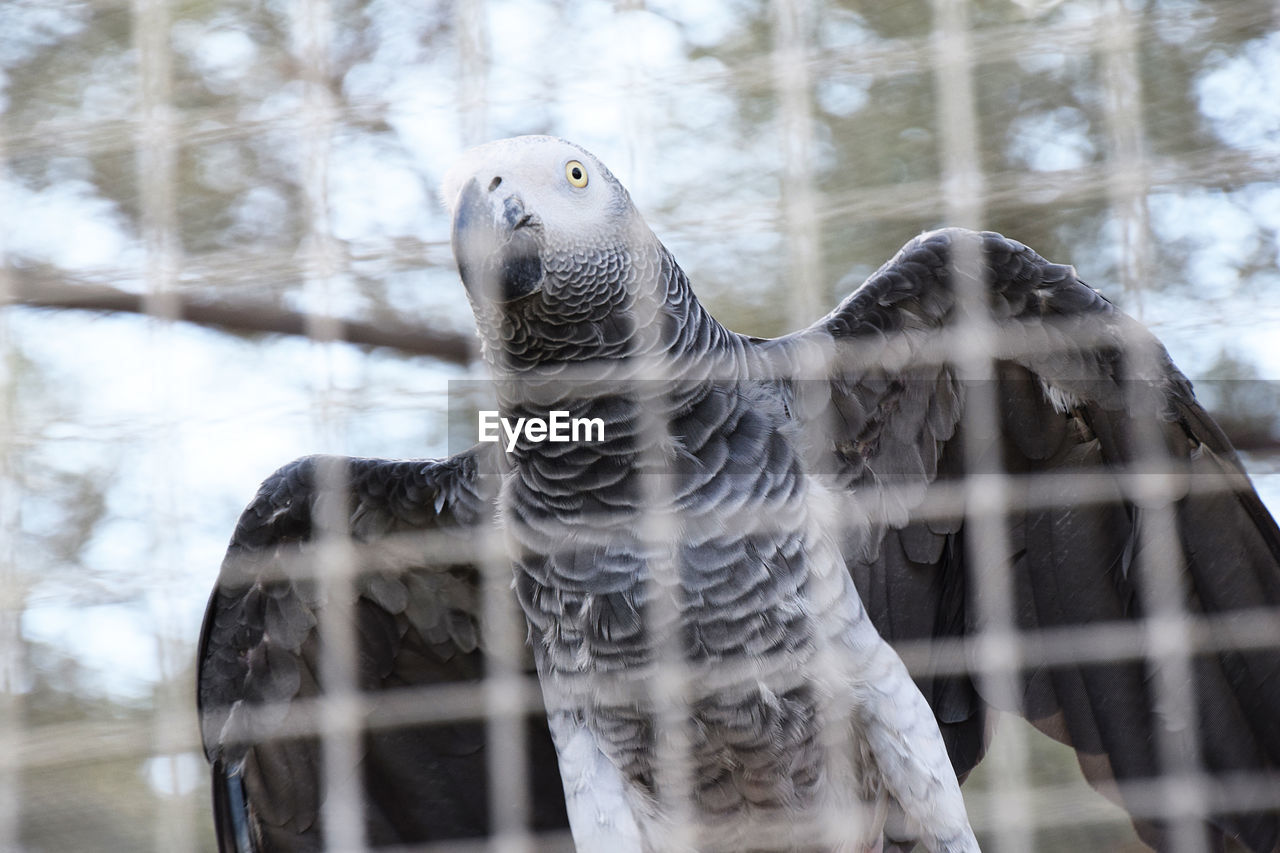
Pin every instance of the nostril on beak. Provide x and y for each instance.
(495, 183)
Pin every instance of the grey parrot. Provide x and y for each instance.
(713, 581)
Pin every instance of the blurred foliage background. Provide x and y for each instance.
(287, 152)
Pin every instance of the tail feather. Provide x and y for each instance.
(230, 811)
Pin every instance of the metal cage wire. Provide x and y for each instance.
(1014, 813)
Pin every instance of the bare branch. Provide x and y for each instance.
(44, 289)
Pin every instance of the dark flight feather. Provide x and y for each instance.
(415, 617)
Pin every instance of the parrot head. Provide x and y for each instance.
(550, 248)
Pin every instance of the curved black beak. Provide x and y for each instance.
(495, 244)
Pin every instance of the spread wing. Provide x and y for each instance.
(1083, 397)
(414, 612)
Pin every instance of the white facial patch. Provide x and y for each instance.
(524, 163)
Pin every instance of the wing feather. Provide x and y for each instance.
(1079, 386)
(415, 619)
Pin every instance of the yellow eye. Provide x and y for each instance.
(576, 173)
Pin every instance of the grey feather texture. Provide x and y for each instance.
(781, 489)
(416, 616)
(773, 515)
(814, 723)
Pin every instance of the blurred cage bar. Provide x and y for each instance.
(1014, 805)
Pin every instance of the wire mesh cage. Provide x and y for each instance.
(224, 249)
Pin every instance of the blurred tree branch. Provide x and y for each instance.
(46, 289)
